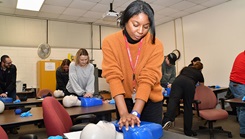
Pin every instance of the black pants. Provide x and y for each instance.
(152, 111)
(182, 88)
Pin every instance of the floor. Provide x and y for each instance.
(229, 124)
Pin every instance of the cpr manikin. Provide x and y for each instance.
(70, 101)
(58, 93)
(2, 106)
(101, 130)
(110, 130)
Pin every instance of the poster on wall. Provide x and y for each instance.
(49, 66)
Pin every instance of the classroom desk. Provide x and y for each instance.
(236, 102)
(29, 101)
(219, 90)
(9, 119)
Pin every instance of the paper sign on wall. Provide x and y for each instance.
(49, 66)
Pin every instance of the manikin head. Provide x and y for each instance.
(2, 107)
(58, 93)
(101, 130)
(70, 101)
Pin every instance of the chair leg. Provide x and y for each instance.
(212, 130)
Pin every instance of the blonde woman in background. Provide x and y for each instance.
(81, 75)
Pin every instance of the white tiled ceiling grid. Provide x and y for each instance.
(92, 10)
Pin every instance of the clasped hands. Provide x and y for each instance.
(3, 95)
(87, 94)
(127, 120)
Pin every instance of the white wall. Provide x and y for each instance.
(216, 35)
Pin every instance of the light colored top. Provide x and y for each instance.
(118, 73)
(81, 79)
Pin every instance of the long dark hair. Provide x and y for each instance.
(136, 8)
(65, 62)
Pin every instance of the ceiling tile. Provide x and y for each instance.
(93, 15)
(75, 12)
(197, 1)
(48, 15)
(62, 3)
(53, 9)
(26, 13)
(166, 3)
(211, 3)
(68, 17)
(195, 9)
(8, 3)
(182, 5)
(167, 11)
(7, 10)
(92, 10)
(81, 4)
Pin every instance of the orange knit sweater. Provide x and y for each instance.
(118, 72)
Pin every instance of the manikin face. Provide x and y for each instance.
(138, 26)
(83, 60)
(69, 101)
(101, 130)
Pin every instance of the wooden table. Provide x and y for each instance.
(9, 119)
(236, 102)
(29, 101)
(219, 90)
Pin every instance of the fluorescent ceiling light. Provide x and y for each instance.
(32, 5)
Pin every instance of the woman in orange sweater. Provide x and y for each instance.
(131, 64)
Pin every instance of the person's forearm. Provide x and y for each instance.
(121, 105)
(139, 105)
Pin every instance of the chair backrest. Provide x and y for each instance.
(206, 96)
(56, 119)
(44, 92)
(3, 134)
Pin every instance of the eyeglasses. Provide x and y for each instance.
(9, 63)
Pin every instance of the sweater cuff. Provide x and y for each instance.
(116, 88)
(143, 91)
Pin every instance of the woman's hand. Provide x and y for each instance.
(3, 95)
(127, 120)
(88, 95)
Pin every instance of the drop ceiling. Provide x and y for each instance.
(91, 11)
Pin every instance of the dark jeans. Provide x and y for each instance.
(238, 90)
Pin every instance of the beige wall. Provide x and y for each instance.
(216, 35)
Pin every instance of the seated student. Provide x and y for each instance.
(8, 73)
(81, 75)
(62, 75)
(168, 70)
(194, 61)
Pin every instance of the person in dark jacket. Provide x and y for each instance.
(194, 60)
(8, 74)
(62, 75)
(183, 87)
(168, 70)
